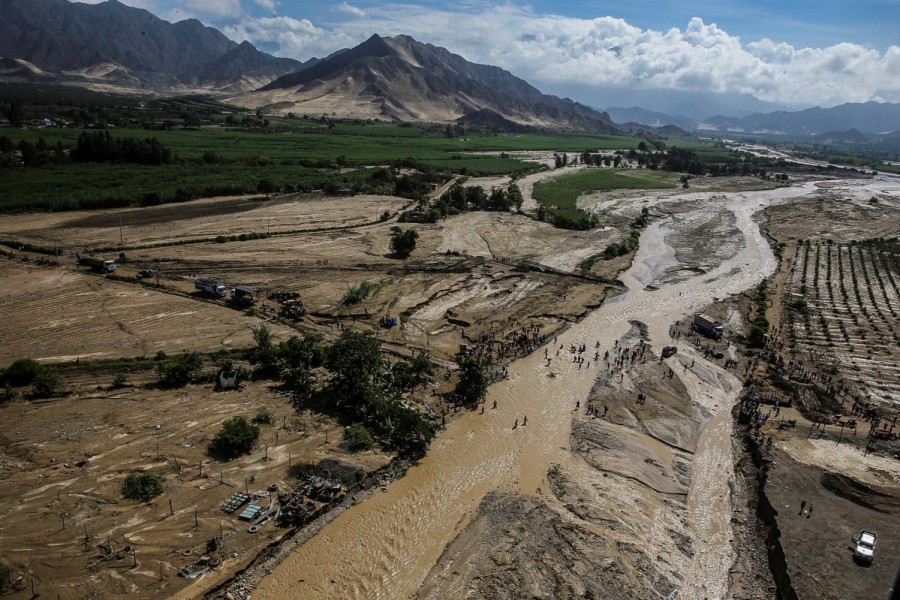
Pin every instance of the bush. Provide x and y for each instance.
(357, 294)
(22, 372)
(46, 384)
(264, 417)
(179, 371)
(143, 485)
(236, 437)
(358, 438)
(120, 380)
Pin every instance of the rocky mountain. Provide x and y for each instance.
(649, 118)
(112, 43)
(869, 117)
(402, 79)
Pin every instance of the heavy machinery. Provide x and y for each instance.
(213, 288)
(707, 326)
(97, 263)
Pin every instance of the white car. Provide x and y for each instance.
(864, 549)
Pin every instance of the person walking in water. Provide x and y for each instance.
(494, 407)
(516, 424)
(525, 421)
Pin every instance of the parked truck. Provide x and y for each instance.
(97, 263)
(707, 326)
(213, 288)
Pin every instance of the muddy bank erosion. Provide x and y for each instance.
(408, 528)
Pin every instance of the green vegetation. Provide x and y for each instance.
(263, 417)
(558, 196)
(403, 242)
(143, 485)
(759, 329)
(46, 384)
(358, 438)
(236, 437)
(358, 293)
(22, 372)
(473, 381)
(179, 371)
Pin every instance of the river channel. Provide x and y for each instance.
(385, 546)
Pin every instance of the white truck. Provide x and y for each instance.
(708, 326)
(864, 546)
(213, 288)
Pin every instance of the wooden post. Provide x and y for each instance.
(63, 517)
(267, 458)
(246, 486)
(86, 536)
(221, 533)
(160, 571)
(32, 588)
(157, 450)
(196, 520)
(108, 543)
(201, 468)
(133, 556)
(289, 460)
(171, 510)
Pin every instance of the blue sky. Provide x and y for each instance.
(793, 53)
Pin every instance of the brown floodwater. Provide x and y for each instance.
(385, 546)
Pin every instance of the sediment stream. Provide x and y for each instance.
(386, 546)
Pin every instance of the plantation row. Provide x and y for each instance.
(844, 299)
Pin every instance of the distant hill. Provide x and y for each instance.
(115, 44)
(649, 118)
(868, 118)
(402, 79)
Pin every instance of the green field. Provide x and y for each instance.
(295, 154)
(561, 193)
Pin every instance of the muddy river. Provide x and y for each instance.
(386, 546)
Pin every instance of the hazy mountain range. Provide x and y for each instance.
(111, 45)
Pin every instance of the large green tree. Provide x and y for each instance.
(237, 436)
(403, 242)
(473, 381)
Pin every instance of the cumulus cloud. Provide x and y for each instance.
(269, 5)
(606, 51)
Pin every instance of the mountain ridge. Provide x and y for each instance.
(400, 78)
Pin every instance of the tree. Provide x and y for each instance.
(46, 384)
(514, 195)
(403, 242)
(237, 436)
(14, 113)
(358, 437)
(473, 381)
(143, 485)
(354, 360)
(22, 372)
(179, 371)
(297, 356)
(266, 186)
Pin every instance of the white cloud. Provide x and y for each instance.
(605, 51)
(215, 8)
(269, 5)
(345, 7)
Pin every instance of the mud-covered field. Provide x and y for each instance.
(628, 479)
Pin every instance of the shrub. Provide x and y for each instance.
(179, 371)
(264, 417)
(46, 384)
(22, 372)
(357, 293)
(120, 380)
(358, 438)
(143, 485)
(236, 437)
